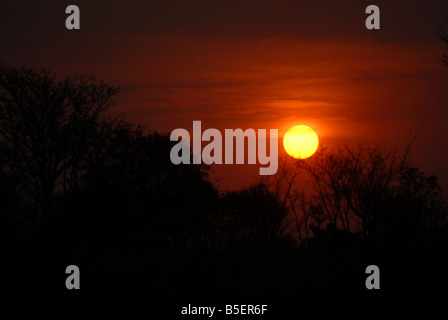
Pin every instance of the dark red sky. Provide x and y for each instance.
(258, 64)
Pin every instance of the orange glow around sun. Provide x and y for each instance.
(300, 142)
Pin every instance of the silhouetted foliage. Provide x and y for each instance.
(441, 33)
(252, 217)
(134, 194)
(415, 208)
(46, 126)
(79, 186)
(367, 189)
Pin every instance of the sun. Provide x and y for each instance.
(300, 142)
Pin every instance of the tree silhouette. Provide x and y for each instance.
(46, 125)
(415, 208)
(132, 192)
(353, 181)
(369, 189)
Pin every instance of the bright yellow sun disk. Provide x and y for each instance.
(300, 142)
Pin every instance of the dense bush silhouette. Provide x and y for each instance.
(252, 216)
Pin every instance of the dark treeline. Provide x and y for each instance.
(79, 187)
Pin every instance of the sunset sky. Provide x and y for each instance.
(254, 64)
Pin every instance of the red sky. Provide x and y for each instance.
(254, 64)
